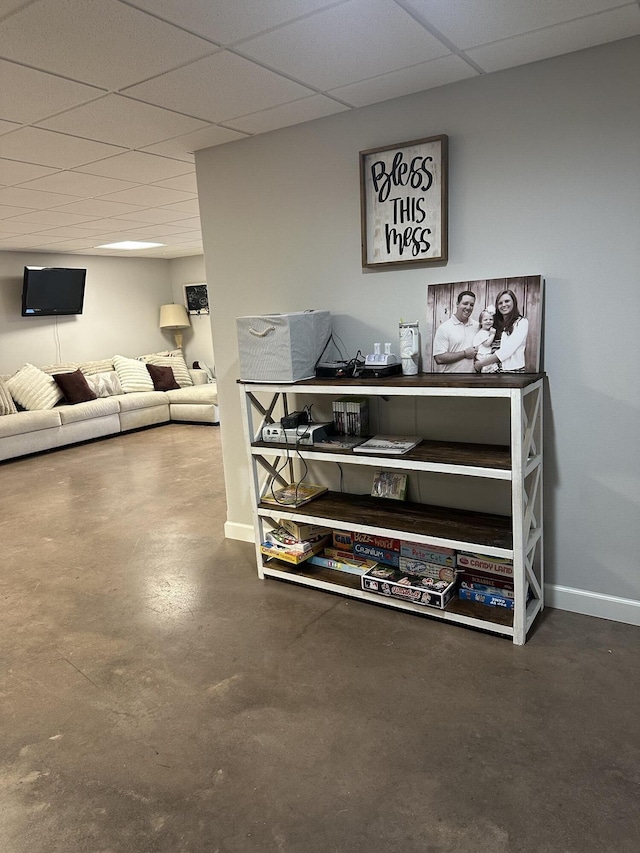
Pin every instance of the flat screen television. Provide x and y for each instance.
(49, 291)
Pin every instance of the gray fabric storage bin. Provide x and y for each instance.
(282, 347)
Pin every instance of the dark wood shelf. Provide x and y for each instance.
(406, 517)
(421, 381)
(496, 456)
(470, 609)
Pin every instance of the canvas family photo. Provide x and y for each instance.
(486, 326)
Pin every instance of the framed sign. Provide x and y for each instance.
(196, 298)
(403, 203)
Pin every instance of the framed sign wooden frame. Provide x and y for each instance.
(404, 203)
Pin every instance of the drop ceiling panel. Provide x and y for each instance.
(241, 87)
(136, 166)
(76, 184)
(148, 196)
(46, 148)
(97, 42)
(345, 44)
(296, 112)
(96, 207)
(185, 183)
(7, 6)
(187, 207)
(7, 210)
(27, 95)
(8, 126)
(7, 243)
(35, 199)
(417, 78)
(13, 172)
(101, 226)
(471, 24)
(11, 226)
(121, 121)
(183, 147)
(564, 38)
(226, 21)
(150, 216)
(51, 217)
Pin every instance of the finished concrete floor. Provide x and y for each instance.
(156, 696)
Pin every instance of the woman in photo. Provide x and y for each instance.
(511, 330)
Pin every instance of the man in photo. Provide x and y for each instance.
(453, 349)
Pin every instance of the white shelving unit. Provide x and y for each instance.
(518, 537)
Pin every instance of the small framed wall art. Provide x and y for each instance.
(196, 298)
(404, 203)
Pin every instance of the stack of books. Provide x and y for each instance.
(351, 416)
(284, 545)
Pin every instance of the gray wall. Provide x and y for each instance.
(120, 316)
(197, 343)
(544, 179)
(121, 310)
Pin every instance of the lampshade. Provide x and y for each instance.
(173, 317)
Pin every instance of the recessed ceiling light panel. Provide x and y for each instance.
(130, 244)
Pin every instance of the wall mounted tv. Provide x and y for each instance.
(50, 291)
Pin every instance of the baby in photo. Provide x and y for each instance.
(484, 337)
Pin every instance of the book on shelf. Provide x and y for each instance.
(293, 495)
(345, 564)
(392, 445)
(340, 442)
(270, 549)
(281, 536)
(390, 484)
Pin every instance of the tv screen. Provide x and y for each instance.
(48, 291)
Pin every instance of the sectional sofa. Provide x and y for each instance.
(42, 408)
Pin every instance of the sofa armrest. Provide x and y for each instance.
(199, 376)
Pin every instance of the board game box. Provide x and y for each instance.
(391, 582)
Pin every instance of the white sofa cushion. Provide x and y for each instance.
(25, 422)
(88, 411)
(133, 374)
(33, 389)
(7, 406)
(146, 400)
(196, 394)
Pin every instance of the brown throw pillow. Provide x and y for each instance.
(74, 387)
(163, 378)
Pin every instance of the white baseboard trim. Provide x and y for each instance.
(593, 604)
(241, 532)
(561, 597)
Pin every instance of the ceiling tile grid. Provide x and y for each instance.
(104, 102)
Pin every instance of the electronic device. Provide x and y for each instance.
(51, 291)
(383, 370)
(303, 434)
(381, 359)
(294, 420)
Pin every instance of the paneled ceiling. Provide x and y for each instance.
(103, 102)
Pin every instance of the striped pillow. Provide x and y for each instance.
(33, 389)
(7, 406)
(177, 364)
(90, 368)
(133, 374)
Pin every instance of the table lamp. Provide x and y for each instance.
(174, 317)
